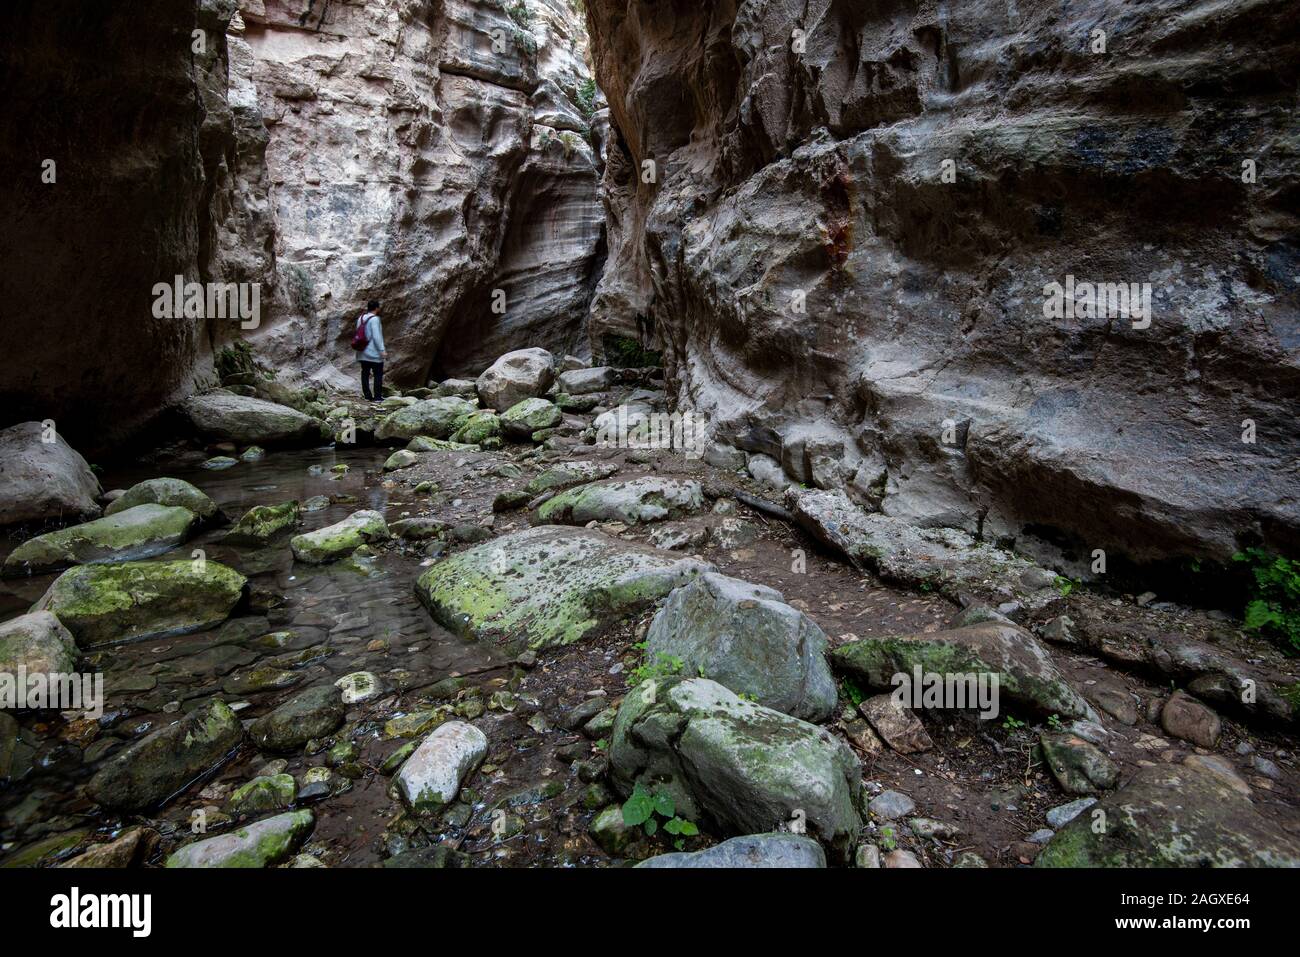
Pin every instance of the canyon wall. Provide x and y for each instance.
(855, 213)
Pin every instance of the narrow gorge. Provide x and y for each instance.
(814, 433)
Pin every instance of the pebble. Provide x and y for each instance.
(1062, 815)
(891, 805)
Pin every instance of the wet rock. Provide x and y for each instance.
(524, 418)
(8, 744)
(524, 374)
(437, 857)
(48, 850)
(1026, 675)
(1078, 766)
(165, 491)
(432, 776)
(751, 850)
(746, 638)
(42, 482)
(580, 714)
(219, 463)
(432, 419)
(1171, 815)
(733, 763)
(248, 421)
(263, 844)
(1185, 717)
(891, 805)
(36, 643)
(271, 793)
(418, 529)
(261, 523)
(649, 499)
(313, 713)
(316, 503)
(257, 680)
(1062, 815)
(156, 767)
(359, 686)
(900, 729)
(547, 586)
(132, 847)
(341, 539)
(946, 560)
(609, 831)
(103, 603)
(401, 459)
(129, 535)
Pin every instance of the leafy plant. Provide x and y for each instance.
(644, 809)
(1064, 586)
(887, 838)
(853, 692)
(1055, 723)
(587, 97)
(1274, 607)
(1010, 724)
(663, 666)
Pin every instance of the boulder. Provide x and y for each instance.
(129, 535)
(165, 491)
(516, 376)
(751, 850)
(746, 638)
(261, 523)
(264, 843)
(38, 643)
(341, 539)
(112, 603)
(1024, 670)
(1079, 766)
(648, 499)
(1184, 717)
(1172, 815)
(432, 418)
(244, 420)
(478, 428)
(145, 774)
(272, 792)
(524, 418)
(401, 459)
(584, 381)
(432, 775)
(313, 713)
(43, 482)
(734, 764)
(547, 586)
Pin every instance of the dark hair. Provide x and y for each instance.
(372, 305)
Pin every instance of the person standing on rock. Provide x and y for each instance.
(368, 340)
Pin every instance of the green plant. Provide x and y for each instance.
(887, 839)
(624, 352)
(1274, 607)
(663, 666)
(853, 691)
(587, 97)
(1055, 723)
(1010, 724)
(644, 807)
(1064, 586)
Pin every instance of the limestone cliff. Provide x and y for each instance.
(854, 213)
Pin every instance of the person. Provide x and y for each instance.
(373, 355)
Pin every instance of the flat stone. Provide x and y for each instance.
(128, 535)
(891, 805)
(1063, 814)
(750, 850)
(262, 844)
(631, 501)
(432, 775)
(313, 713)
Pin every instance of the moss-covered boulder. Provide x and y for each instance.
(524, 418)
(1025, 673)
(341, 539)
(1172, 815)
(547, 586)
(265, 843)
(272, 792)
(129, 535)
(648, 499)
(313, 713)
(422, 443)
(37, 643)
(110, 603)
(401, 459)
(480, 427)
(435, 418)
(244, 420)
(746, 638)
(261, 523)
(568, 475)
(156, 767)
(166, 491)
(735, 765)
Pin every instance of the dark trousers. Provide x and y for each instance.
(377, 370)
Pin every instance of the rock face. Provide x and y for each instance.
(105, 603)
(43, 481)
(1172, 816)
(744, 768)
(547, 586)
(134, 533)
(153, 769)
(747, 639)
(829, 296)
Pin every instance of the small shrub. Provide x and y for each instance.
(1274, 607)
